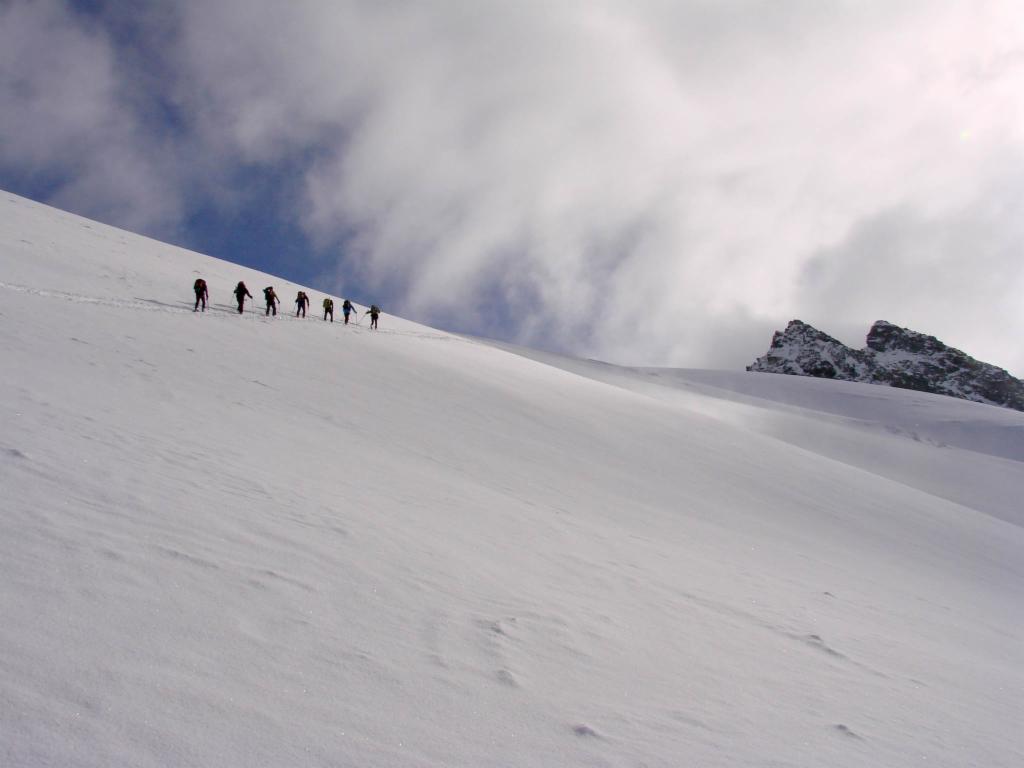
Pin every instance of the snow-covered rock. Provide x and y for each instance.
(894, 356)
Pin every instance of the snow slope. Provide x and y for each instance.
(236, 541)
(980, 464)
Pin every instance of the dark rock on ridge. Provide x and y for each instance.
(897, 357)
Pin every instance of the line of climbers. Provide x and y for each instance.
(302, 302)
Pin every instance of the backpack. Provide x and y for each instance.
(200, 284)
(374, 309)
(347, 305)
(328, 304)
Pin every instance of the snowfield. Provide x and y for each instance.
(241, 541)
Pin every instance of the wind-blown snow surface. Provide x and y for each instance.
(236, 541)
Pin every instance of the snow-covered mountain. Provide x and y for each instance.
(246, 541)
(894, 356)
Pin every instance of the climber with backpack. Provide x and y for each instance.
(329, 309)
(302, 300)
(240, 293)
(271, 299)
(347, 309)
(374, 313)
(201, 293)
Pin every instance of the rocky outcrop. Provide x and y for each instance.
(894, 356)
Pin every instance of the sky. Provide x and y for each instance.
(651, 182)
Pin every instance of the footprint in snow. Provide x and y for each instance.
(815, 641)
(585, 731)
(111, 554)
(845, 730)
(175, 554)
(500, 627)
(506, 678)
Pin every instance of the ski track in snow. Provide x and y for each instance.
(227, 542)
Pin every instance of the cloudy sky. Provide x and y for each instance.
(657, 182)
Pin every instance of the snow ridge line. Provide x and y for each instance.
(153, 305)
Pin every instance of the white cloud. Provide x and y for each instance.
(640, 181)
(957, 276)
(631, 176)
(64, 116)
